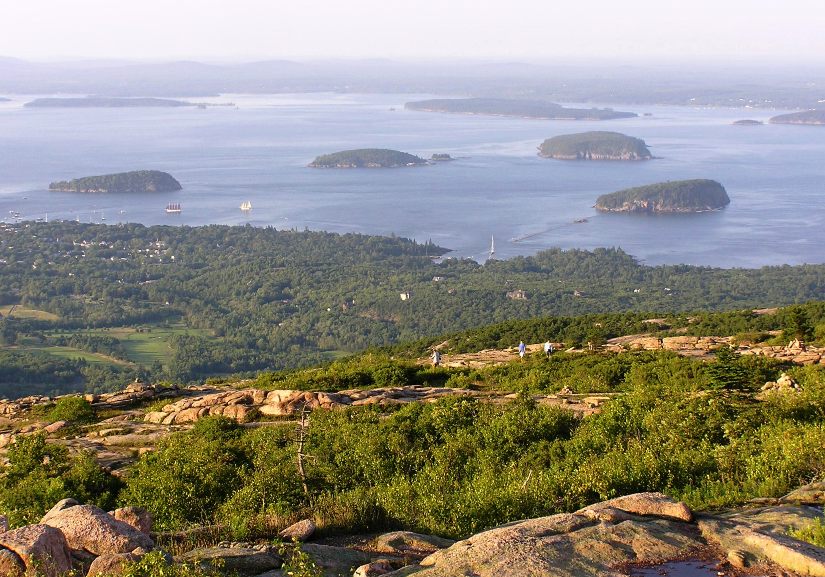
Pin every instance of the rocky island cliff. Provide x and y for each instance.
(680, 196)
(521, 108)
(595, 145)
(367, 158)
(135, 181)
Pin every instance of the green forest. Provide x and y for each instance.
(85, 307)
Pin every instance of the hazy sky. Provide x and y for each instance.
(500, 29)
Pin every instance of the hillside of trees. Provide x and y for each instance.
(244, 299)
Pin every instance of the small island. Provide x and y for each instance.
(595, 145)
(748, 122)
(136, 181)
(810, 117)
(440, 157)
(679, 196)
(367, 158)
(522, 108)
(4, 99)
(105, 102)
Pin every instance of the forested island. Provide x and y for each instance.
(510, 107)
(367, 158)
(813, 117)
(135, 181)
(679, 196)
(107, 102)
(595, 145)
(748, 122)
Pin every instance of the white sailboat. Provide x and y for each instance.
(246, 205)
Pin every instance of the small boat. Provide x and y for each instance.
(173, 208)
(246, 205)
(579, 220)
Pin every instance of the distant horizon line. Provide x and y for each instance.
(721, 60)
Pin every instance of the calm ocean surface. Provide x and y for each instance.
(775, 175)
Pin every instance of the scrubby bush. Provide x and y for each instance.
(75, 410)
(39, 474)
(460, 465)
(190, 474)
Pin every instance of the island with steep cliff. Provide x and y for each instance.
(510, 107)
(595, 145)
(367, 158)
(135, 181)
(812, 117)
(678, 196)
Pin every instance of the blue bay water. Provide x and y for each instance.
(497, 186)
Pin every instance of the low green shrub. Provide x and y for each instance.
(814, 533)
(76, 410)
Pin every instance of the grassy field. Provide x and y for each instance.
(69, 353)
(146, 345)
(22, 312)
(143, 345)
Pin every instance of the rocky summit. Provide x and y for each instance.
(607, 539)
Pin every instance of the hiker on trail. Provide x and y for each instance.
(521, 349)
(436, 358)
(548, 348)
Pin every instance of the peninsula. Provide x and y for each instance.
(136, 181)
(105, 102)
(813, 117)
(367, 158)
(679, 196)
(595, 145)
(521, 108)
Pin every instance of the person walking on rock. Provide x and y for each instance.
(521, 349)
(548, 349)
(436, 358)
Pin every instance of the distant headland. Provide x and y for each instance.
(748, 122)
(135, 181)
(114, 102)
(367, 158)
(813, 117)
(679, 196)
(522, 108)
(595, 145)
